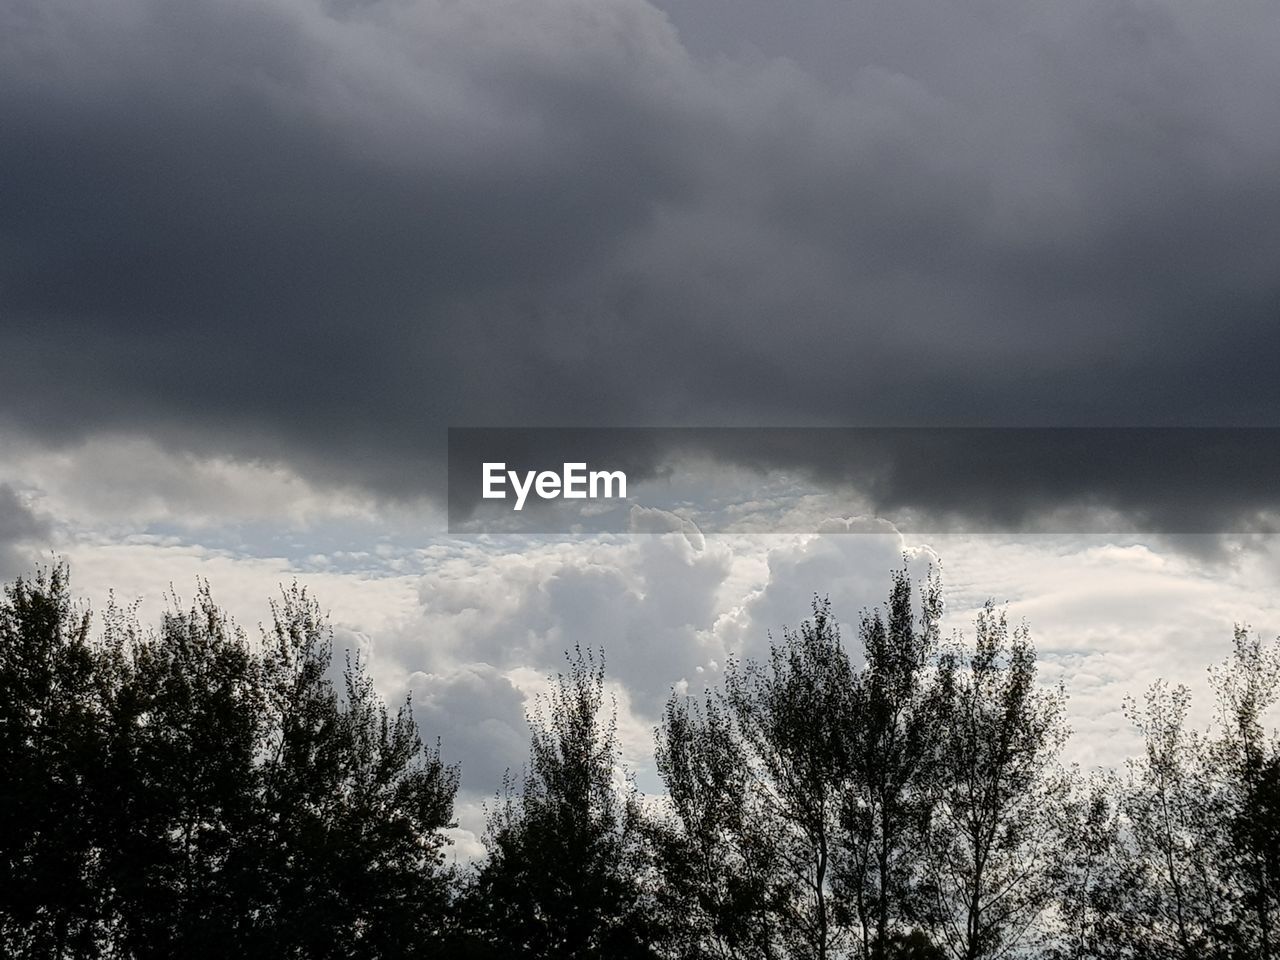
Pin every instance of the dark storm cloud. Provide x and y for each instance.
(323, 232)
(1186, 481)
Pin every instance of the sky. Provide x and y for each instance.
(256, 258)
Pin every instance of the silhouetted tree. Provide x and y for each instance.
(175, 793)
(353, 806)
(1244, 763)
(1164, 857)
(991, 842)
(566, 873)
(793, 714)
(883, 799)
(181, 792)
(722, 888)
(796, 793)
(1190, 866)
(51, 749)
(180, 787)
(1090, 888)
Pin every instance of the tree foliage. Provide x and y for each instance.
(995, 795)
(565, 877)
(51, 742)
(724, 889)
(892, 740)
(907, 805)
(178, 793)
(185, 791)
(1189, 863)
(797, 792)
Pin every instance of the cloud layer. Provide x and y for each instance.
(320, 231)
(21, 533)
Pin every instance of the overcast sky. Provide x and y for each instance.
(255, 258)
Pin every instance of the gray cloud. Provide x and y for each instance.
(20, 530)
(650, 601)
(321, 232)
(479, 716)
(851, 572)
(1180, 481)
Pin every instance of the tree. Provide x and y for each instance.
(1090, 886)
(566, 868)
(796, 792)
(1193, 864)
(176, 793)
(353, 806)
(883, 799)
(996, 797)
(179, 797)
(1244, 764)
(51, 749)
(793, 716)
(721, 887)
